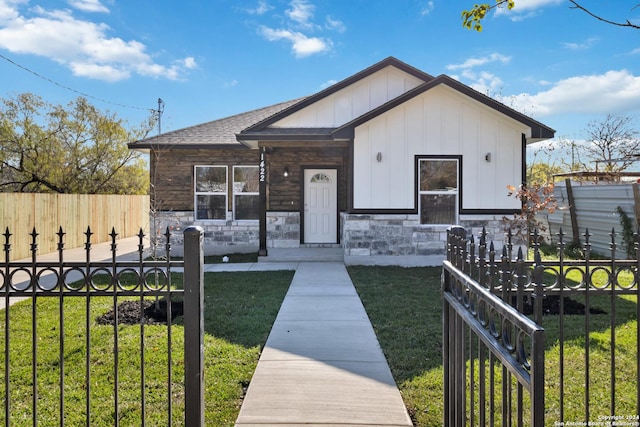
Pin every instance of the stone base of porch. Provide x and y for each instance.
(304, 254)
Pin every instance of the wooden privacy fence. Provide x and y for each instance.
(22, 212)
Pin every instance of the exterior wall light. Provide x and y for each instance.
(379, 157)
(286, 172)
(487, 157)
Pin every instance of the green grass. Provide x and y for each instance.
(405, 309)
(405, 306)
(239, 311)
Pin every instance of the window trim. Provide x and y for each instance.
(252, 193)
(197, 193)
(458, 191)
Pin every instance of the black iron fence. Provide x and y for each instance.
(97, 345)
(562, 330)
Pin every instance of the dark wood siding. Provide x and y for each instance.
(172, 172)
(284, 193)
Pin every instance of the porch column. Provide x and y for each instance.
(263, 202)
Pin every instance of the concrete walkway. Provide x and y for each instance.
(322, 364)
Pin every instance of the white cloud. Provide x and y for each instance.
(588, 43)
(301, 44)
(613, 92)
(335, 24)
(189, 63)
(89, 5)
(99, 72)
(8, 10)
(301, 12)
(427, 8)
(83, 46)
(299, 27)
(262, 8)
(487, 83)
(526, 8)
(231, 83)
(482, 81)
(328, 83)
(475, 62)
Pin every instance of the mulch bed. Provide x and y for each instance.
(551, 306)
(156, 314)
(129, 313)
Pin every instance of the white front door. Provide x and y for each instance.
(320, 205)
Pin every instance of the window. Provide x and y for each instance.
(438, 191)
(211, 192)
(320, 178)
(245, 192)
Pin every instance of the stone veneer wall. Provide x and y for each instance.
(399, 239)
(369, 239)
(283, 229)
(220, 237)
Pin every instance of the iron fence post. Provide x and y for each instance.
(194, 326)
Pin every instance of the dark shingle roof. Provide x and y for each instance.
(217, 132)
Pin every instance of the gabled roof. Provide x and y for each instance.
(249, 127)
(390, 61)
(217, 132)
(539, 131)
(261, 130)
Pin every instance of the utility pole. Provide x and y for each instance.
(159, 112)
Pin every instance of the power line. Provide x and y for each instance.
(72, 89)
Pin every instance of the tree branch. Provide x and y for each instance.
(599, 18)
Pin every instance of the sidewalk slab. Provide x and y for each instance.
(322, 364)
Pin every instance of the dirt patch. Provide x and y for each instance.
(130, 313)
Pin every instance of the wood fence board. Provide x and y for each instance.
(21, 212)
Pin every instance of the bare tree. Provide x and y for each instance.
(613, 143)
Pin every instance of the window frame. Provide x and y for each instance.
(248, 193)
(197, 193)
(457, 192)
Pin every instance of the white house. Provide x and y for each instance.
(379, 165)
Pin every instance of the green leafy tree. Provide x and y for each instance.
(542, 173)
(472, 18)
(68, 149)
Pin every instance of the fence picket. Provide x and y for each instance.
(65, 288)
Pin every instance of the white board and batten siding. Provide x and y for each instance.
(352, 101)
(440, 121)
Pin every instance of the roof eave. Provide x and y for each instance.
(150, 147)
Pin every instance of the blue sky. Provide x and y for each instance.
(211, 59)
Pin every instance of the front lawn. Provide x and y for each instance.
(240, 309)
(403, 304)
(405, 308)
